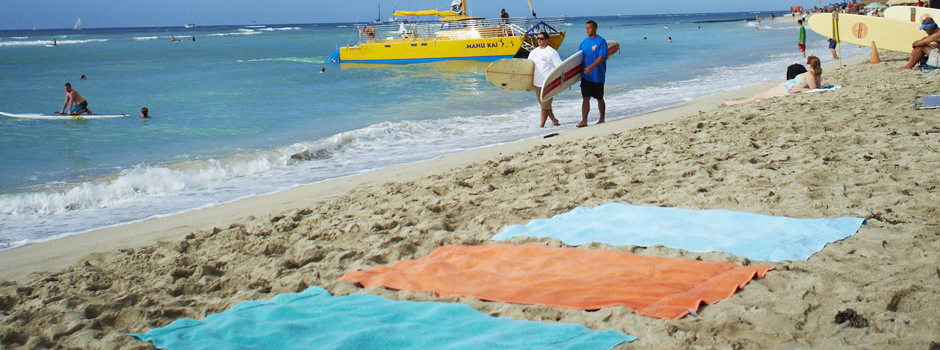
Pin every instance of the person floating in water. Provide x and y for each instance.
(79, 104)
(144, 113)
(644, 39)
(670, 40)
(322, 70)
(83, 77)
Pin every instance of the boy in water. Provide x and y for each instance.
(802, 42)
(144, 113)
(79, 104)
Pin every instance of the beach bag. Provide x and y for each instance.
(795, 69)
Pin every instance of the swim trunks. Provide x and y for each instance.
(592, 89)
(802, 47)
(933, 59)
(79, 107)
(832, 44)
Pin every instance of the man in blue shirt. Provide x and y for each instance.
(594, 48)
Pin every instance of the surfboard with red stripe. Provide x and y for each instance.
(569, 72)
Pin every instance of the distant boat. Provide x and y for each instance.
(190, 25)
(78, 25)
(378, 20)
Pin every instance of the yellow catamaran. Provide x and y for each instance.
(454, 36)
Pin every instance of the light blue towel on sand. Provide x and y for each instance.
(754, 236)
(314, 319)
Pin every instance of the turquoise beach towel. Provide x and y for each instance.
(754, 236)
(314, 319)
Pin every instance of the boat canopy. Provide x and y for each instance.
(426, 13)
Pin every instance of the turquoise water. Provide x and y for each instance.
(232, 107)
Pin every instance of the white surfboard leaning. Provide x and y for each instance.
(60, 116)
(887, 34)
(569, 72)
(911, 13)
(512, 74)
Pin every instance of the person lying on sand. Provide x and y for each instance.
(803, 82)
(926, 47)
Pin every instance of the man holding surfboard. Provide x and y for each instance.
(926, 47)
(546, 59)
(594, 48)
(79, 104)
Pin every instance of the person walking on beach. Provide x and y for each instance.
(594, 48)
(926, 47)
(802, 43)
(79, 104)
(546, 59)
(810, 80)
(832, 47)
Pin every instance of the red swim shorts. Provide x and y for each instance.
(802, 47)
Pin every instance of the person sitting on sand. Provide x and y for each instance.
(926, 47)
(546, 59)
(144, 113)
(803, 82)
(79, 104)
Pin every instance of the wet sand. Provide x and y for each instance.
(858, 151)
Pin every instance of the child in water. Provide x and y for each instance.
(144, 113)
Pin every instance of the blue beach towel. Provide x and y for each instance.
(754, 236)
(314, 319)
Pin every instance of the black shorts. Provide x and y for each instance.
(592, 89)
(832, 44)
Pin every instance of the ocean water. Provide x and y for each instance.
(231, 109)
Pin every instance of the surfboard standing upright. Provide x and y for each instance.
(569, 72)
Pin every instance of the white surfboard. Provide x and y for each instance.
(887, 34)
(569, 72)
(60, 116)
(911, 13)
(512, 74)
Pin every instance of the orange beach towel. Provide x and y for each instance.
(667, 288)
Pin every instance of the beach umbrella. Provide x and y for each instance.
(876, 5)
(901, 2)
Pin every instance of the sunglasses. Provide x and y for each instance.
(542, 38)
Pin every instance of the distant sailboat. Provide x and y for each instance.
(78, 25)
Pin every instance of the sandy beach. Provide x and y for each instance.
(858, 151)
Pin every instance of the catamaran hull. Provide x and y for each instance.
(430, 50)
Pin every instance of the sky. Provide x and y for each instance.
(52, 14)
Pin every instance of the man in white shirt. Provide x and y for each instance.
(546, 59)
(402, 29)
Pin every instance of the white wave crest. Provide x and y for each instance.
(279, 29)
(311, 60)
(49, 42)
(141, 38)
(240, 32)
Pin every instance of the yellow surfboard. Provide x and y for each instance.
(512, 74)
(887, 34)
(911, 13)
